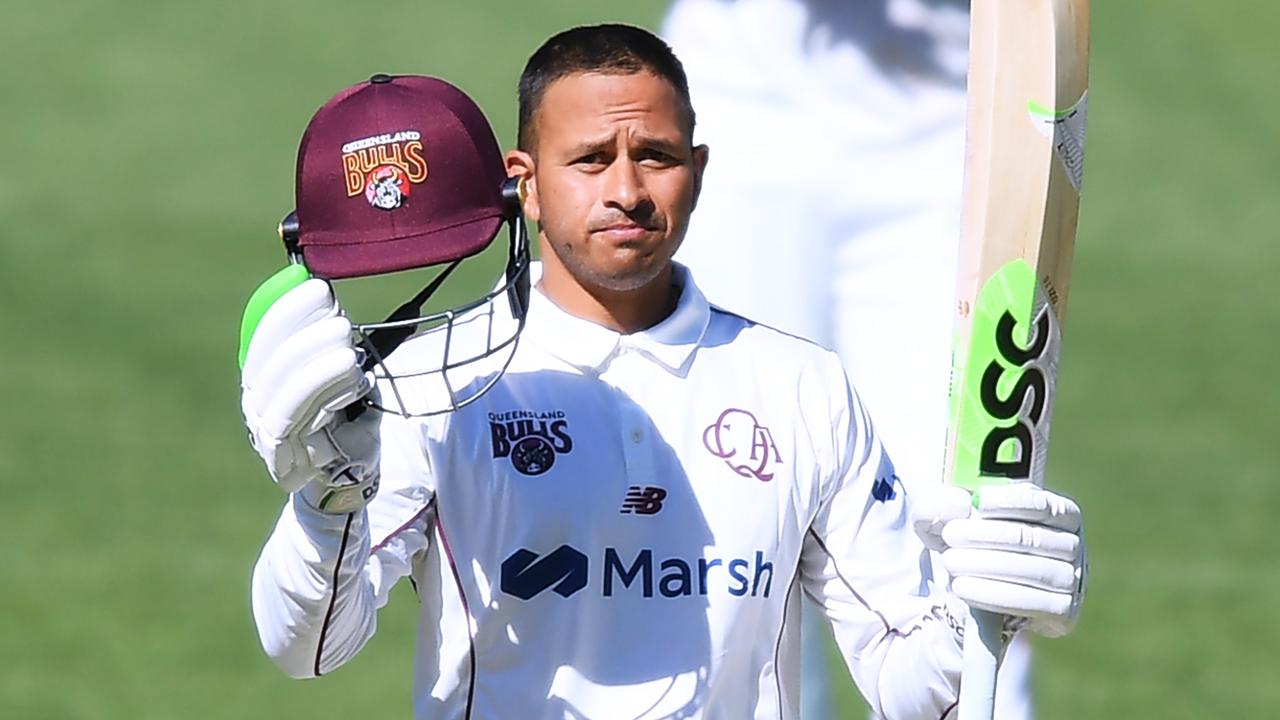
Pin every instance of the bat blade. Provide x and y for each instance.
(1024, 161)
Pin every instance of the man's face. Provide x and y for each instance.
(611, 176)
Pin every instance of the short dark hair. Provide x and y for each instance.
(610, 49)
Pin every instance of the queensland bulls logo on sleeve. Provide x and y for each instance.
(532, 440)
(744, 444)
(384, 168)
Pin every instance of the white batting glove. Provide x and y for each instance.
(300, 372)
(1013, 549)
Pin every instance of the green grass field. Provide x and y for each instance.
(148, 152)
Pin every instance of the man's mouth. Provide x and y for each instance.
(624, 231)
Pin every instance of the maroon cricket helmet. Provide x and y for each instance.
(395, 173)
(404, 172)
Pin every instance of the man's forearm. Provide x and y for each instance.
(312, 602)
(919, 674)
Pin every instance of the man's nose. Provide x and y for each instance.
(624, 186)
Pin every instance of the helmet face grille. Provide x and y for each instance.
(450, 358)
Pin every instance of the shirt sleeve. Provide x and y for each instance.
(320, 579)
(870, 574)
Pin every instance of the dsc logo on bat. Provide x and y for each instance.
(1025, 403)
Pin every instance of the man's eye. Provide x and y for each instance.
(658, 158)
(590, 159)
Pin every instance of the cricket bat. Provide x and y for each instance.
(1024, 158)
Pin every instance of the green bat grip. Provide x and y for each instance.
(274, 288)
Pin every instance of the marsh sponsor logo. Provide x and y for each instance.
(565, 571)
(679, 577)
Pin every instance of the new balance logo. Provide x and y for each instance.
(643, 500)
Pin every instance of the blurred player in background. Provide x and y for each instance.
(832, 209)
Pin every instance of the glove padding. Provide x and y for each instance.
(1014, 549)
(301, 370)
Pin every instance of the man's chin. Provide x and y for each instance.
(621, 270)
(633, 274)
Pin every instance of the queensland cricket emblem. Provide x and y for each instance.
(384, 168)
(531, 439)
(744, 444)
(386, 187)
(533, 455)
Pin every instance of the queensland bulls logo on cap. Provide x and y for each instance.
(743, 443)
(384, 168)
(386, 187)
(532, 440)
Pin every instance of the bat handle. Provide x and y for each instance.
(982, 648)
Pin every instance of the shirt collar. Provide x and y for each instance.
(591, 347)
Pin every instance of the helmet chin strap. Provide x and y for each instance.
(381, 342)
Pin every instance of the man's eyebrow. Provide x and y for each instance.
(673, 147)
(606, 142)
(590, 145)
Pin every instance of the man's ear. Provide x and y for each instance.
(701, 154)
(520, 165)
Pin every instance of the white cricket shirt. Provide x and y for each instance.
(621, 528)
